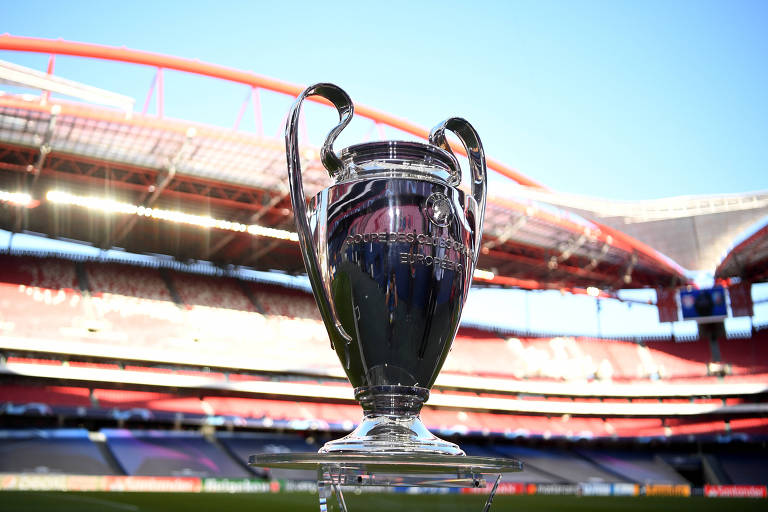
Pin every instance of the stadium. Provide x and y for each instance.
(156, 327)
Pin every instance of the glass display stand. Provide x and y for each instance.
(335, 470)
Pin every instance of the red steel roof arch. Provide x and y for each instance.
(122, 54)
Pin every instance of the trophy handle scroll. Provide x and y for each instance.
(332, 162)
(471, 141)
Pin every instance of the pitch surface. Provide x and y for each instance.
(300, 502)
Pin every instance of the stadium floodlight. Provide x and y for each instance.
(17, 198)
(485, 275)
(111, 206)
(282, 234)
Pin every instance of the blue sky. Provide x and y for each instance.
(624, 100)
(628, 100)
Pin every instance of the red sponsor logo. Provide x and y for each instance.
(735, 491)
(153, 484)
(511, 488)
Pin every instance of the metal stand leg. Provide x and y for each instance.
(493, 493)
(327, 485)
(323, 492)
(331, 477)
(340, 498)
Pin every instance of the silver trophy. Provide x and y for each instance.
(390, 249)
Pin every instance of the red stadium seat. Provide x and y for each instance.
(750, 426)
(125, 399)
(746, 356)
(49, 395)
(127, 280)
(211, 292)
(47, 273)
(286, 302)
(682, 359)
(695, 426)
(635, 427)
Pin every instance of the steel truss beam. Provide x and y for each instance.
(253, 205)
(95, 172)
(253, 219)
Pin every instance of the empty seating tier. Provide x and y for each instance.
(67, 451)
(175, 453)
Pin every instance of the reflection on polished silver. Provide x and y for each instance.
(390, 249)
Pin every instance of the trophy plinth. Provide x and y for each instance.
(390, 249)
(431, 470)
(412, 469)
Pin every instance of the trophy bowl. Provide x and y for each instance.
(398, 264)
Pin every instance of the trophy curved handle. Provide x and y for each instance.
(333, 163)
(471, 141)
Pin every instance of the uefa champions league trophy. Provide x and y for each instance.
(390, 248)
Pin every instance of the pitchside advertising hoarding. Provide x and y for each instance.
(735, 491)
(667, 490)
(34, 482)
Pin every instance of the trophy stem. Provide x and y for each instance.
(393, 401)
(391, 425)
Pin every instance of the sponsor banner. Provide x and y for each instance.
(554, 489)
(8, 482)
(152, 484)
(21, 482)
(511, 488)
(297, 486)
(735, 491)
(595, 489)
(667, 490)
(507, 488)
(625, 489)
(239, 485)
(85, 483)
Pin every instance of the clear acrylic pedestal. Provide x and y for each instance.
(335, 470)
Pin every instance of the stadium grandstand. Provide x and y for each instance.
(154, 321)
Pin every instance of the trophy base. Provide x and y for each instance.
(433, 470)
(409, 469)
(391, 435)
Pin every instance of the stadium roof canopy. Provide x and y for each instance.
(116, 178)
(695, 231)
(748, 260)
